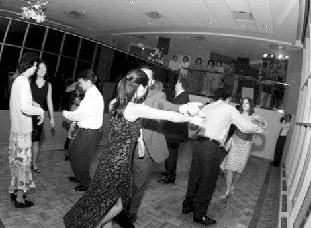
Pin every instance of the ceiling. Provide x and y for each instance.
(246, 28)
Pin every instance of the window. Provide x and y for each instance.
(71, 46)
(16, 33)
(66, 68)
(35, 36)
(30, 50)
(9, 59)
(3, 26)
(87, 50)
(51, 62)
(53, 41)
(82, 65)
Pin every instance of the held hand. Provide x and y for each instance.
(36, 104)
(262, 130)
(41, 119)
(191, 108)
(52, 123)
(64, 113)
(196, 120)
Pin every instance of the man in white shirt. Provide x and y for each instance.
(89, 117)
(207, 155)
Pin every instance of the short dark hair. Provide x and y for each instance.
(184, 83)
(175, 56)
(27, 61)
(148, 68)
(87, 75)
(221, 94)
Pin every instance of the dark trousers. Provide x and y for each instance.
(81, 153)
(280, 143)
(171, 161)
(142, 168)
(203, 175)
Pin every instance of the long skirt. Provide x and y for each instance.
(20, 162)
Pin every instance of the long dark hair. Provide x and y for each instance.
(126, 90)
(251, 105)
(46, 78)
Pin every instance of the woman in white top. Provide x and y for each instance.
(21, 110)
(183, 67)
(285, 125)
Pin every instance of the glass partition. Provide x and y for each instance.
(68, 54)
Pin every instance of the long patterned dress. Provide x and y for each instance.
(112, 178)
(239, 151)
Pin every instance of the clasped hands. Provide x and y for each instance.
(193, 110)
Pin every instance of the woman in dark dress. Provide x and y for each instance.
(109, 191)
(41, 91)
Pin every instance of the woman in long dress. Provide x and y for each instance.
(239, 145)
(109, 191)
(21, 110)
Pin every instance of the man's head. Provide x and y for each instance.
(175, 58)
(86, 79)
(150, 75)
(222, 94)
(181, 85)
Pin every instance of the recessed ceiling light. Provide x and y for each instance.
(200, 47)
(265, 26)
(149, 23)
(187, 37)
(223, 39)
(210, 22)
(157, 37)
(131, 1)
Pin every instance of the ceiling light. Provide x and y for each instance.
(131, 1)
(265, 55)
(210, 22)
(157, 37)
(265, 26)
(223, 39)
(280, 56)
(187, 37)
(149, 23)
(200, 47)
(271, 56)
(287, 57)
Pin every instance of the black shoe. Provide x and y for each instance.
(204, 220)
(73, 179)
(124, 220)
(166, 181)
(163, 173)
(66, 158)
(187, 207)
(132, 217)
(80, 188)
(26, 204)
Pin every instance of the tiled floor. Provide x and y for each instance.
(161, 205)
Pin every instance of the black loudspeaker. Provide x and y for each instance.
(242, 66)
(163, 44)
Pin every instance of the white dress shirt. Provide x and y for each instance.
(89, 114)
(21, 108)
(219, 116)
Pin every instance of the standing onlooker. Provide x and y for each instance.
(207, 155)
(194, 77)
(240, 145)
(175, 133)
(21, 110)
(89, 116)
(183, 67)
(206, 88)
(285, 126)
(41, 91)
(218, 76)
(174, 64)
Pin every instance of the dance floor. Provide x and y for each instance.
(254, 204)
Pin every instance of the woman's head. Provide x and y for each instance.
(185, 59)
(210, 62)
(219, 63)
(132, 88)
(28, 63)
(42, 69)
(247, 105)
(198, 61)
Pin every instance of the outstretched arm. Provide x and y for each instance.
(135, 111)
(50, 104)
